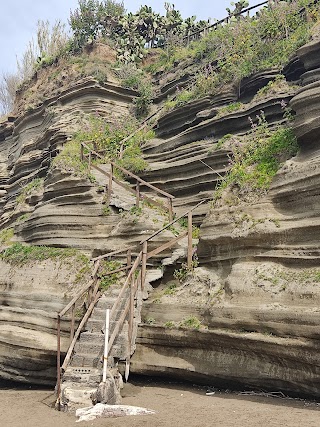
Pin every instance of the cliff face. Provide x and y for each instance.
(258, 295)
(256, 289)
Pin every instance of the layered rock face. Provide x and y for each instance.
(259, 294)
(256, 291)
(64, 211)
(30, 298)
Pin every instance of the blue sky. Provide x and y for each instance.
(18, 19)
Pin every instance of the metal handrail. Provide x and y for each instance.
(139, 180)
(93, 295)
(173, 221)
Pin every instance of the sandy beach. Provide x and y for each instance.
(175, 404)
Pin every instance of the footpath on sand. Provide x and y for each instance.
(173, 403)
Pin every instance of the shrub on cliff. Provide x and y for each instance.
(238, 49)
(256, 159)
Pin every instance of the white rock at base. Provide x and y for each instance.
(110, 411)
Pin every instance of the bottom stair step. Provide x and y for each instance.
(84, 375)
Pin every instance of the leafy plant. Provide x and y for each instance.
(106, 210)
(170, 324)
(253, 164)
(107, 278)
(171, 289)
(182, 273)
(191, 322)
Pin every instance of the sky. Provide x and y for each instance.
(18, 20)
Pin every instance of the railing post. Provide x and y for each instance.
(106, 346)
(137, 194)
(131, 312)
(110, 183)
(90, 295)
(72, 322)
(144, 264)
(189, 262)
(129, 259)
(89, 161)
(81, 153)
(58, 357)
(170, 209)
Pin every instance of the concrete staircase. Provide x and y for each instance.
(82, 377)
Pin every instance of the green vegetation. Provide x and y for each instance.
(171, 289)
(230, 108)
(149, 321)
(107, 278)
(106, 211)
(33, 187)
(128, 32)
(255, 162)
(191, 322)
(69, 159)
(23, 217)
(107, 138)
(182, 273)
(19, 254)
(6, 235)
(134, 78)
(283, 278)
(170, 324)
(242, 47)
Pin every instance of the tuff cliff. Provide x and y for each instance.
(252, 300)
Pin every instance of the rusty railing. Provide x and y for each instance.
(139, 182)
(91, 289)
(135, 280)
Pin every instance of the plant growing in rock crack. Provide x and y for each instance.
(170, 289)
(191, 322)
(253, 164)
(134, 78)
(149, 321)
(170, 324)
(182, 273)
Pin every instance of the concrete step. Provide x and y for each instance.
(93, 343)
(100, 313)
(74, 396)
(106, 302)
(86, 360)
(78, 374)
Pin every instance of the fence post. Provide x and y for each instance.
(58, 357)
(81, 153)
(72, 322)
(110, 183)
(170, 209)
(137, 194)
(144, 264)
(189, 263)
